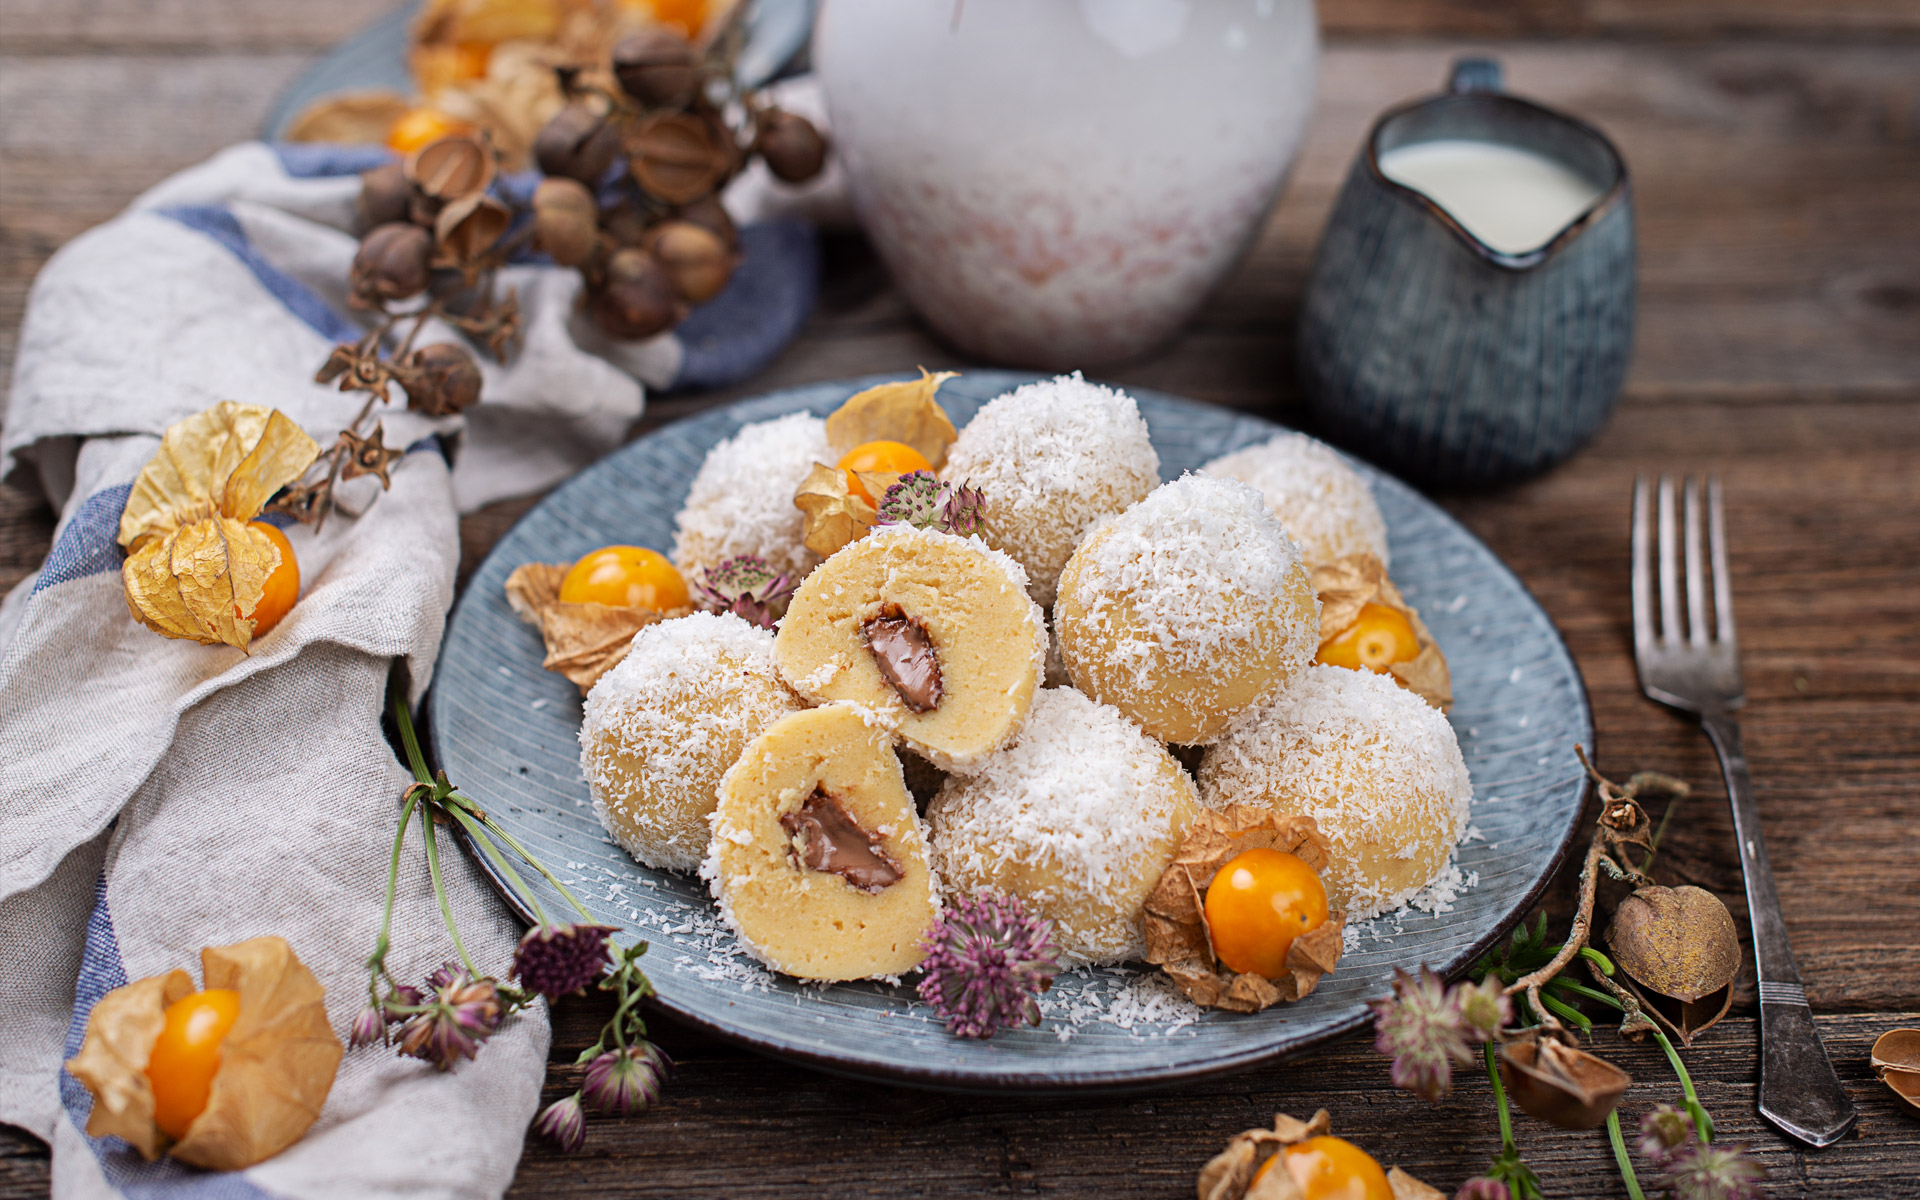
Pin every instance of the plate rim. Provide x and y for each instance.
(1054, 1081)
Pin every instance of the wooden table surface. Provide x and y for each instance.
(1776, 154)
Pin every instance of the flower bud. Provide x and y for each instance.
(793, 148)
(560, 960)
(677, 158)
(578, 143)
(441, 379)
(369, 1026)
(564, 1123)
(391, 264)
(384, 192)
(657, 67)
(446, 170)
(636, 298)
(566, 220)
(697, 259)
(1561, 1085)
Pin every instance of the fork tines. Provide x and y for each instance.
(1706, 624)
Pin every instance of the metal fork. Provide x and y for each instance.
(1687, 667)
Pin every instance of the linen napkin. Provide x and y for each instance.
(159, 796)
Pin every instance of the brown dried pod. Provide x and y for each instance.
(441, 379)
(1230, 1174)
(467, 228)
(578, 143)
(446, 170)
(391, 264)
(635, 298)
(1680, 952)
(1348, 631)
(584, 641)
(657, 67)
(699, 261)
(566, 220)
(709, 214)
(1896, 1060)
(1175, 918)
(795, 151)
(1556, 1083)
(384, 192)
(675, 157)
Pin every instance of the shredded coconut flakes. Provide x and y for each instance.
(741, 502)
(1326, 507)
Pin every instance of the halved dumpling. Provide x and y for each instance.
(818, 858)
(934, 633)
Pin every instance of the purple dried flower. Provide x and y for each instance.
(919, 499)
(1484, 1008)
(563, 1122)
(626, 1081)
(1713, 1172)
(1663, 1129)
(962, 511)
(558, 960)
(369, 1026)
(403, 998)
(461, 1013)
(1482, 1188)
(1421, 1027)
(746, 586)
(443, 975)
(987, 961)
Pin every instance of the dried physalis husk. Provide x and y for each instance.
(584, 641)
(1347, 585)
(1680, 952)
(193, 563)
(1561, 1084)
(276, 1063)
(1229, 1174)
(905, 412)
(1896, 1060)
(1175, 919)
(353, 117)
(835, 514)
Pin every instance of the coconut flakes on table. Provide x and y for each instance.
(1325, 505)
(741, 501)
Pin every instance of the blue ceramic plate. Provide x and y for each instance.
(506, 732)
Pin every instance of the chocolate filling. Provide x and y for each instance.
(831, 840)
(906, 658)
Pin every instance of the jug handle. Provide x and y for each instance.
(1475, 75)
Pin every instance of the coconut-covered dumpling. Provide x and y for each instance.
(933, 633)
(818, 858)
(741, 502)
(1187, 610)
(1324, 505)
(1052, 458)
(1078, 816)
(1376, 767)
(659, 730)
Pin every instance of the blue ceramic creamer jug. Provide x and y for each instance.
(1469, 318)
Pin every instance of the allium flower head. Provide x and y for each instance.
(987, 961)
(745, 586)
(563, 1122)
(559, 960)
(459, 1014)
(1421, 1027)
(369, 1026)
(626, 1081)
(919, 499)
(1662, 1130)
(1719, 1171)
(1482, 1188)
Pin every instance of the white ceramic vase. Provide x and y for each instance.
(1060, 183)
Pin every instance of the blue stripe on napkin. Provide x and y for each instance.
(90, 544)
(101, 971)
(300, 300)
(323, 160)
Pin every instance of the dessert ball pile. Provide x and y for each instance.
(1031, 632)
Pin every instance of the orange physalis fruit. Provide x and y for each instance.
(896, 458)
(625, 577)
(423, 126)
(1257, 904)
(282, 587)
(183, 1061)
(1378, 638)
(470, 60)
(1331, 1168)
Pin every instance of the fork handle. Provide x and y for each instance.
(1799, 1090)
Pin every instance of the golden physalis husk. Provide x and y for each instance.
(1346, 585)
(354, 117)
(1175, 920)
(276, 1064)
(1896, 1060)
(905, 412)
(584, 641)
(1229, 1174)
(193, 565)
